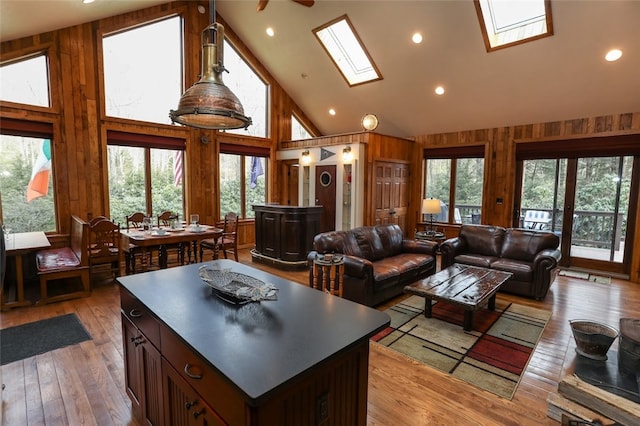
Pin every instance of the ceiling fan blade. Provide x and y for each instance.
(307, 3)
(261, 5)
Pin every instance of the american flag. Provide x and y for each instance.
(177, 168)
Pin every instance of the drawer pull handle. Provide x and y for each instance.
(193, 403)
(137, 340)
(198, 413)
(187, 367)
(135, 313)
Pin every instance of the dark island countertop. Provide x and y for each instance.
(258, 347)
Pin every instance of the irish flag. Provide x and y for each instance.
(39, 183)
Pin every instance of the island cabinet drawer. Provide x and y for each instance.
(135, 311)
(215, 390)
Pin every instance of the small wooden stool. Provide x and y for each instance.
(327, 274)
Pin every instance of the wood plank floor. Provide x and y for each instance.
(84, 384)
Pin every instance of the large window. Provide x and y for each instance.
(242, 183)
(457, 182)
(143, 71)
(144, 176)
(26, 184)
(26, 81)
(250, 89)
(298, 131)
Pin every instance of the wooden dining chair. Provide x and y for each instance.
(104, 247)
(228, 243)
(165, 219)
(132, 251)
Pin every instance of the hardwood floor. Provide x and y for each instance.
(84, 384)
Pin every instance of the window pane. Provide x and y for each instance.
(468, 197)
(254, 187)
(26, 184)
(126, 182)
(298, 131)
(26, 82)
(438, 177)
(250, 90)
(230, 184)
(143, 71)
(166, 182)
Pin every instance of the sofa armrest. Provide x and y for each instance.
(450, 249)
(354, 266)
(548, 257)
(419, 246)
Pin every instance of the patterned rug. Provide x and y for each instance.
(492, 356)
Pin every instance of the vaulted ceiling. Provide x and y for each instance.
(560, 77)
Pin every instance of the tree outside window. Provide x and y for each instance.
(242, 184)
(26, 184)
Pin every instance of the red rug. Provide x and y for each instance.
(492, 356)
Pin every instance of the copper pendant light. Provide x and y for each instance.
(209, 104)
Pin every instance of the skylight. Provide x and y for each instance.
(343, 45)
(507, 22)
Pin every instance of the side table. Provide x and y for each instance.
(327, 273)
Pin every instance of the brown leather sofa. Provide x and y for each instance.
(532, 256)
(378, 261)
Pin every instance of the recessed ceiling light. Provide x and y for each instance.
(332, 111)
(613, 55)
(439, 90)
(270, 32)
(417, 38)
(87, 1)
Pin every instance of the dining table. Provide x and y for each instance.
(19, 246)
(149, 240)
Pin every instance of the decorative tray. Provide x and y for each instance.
(237, 288)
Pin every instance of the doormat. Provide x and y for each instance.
(492, 356)
(35, 338)
(600, 279)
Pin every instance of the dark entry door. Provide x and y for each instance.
(326, 196)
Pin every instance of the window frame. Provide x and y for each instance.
(149, 142)
(244, 152)
(453, 154)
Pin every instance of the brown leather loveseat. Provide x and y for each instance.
(532, 256)
(378, 261)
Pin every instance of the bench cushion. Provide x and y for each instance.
(56, 259)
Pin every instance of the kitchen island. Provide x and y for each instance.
(301, 359)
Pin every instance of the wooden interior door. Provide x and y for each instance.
(290, 171)
(326, 196)
(391, 193)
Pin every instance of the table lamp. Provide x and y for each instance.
(431, 206)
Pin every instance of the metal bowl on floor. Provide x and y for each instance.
(593, 339)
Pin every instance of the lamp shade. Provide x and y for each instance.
(431, 206)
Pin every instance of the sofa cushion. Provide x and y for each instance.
(483, 239)
(337, 242)
(522, 271)
(475, 260)
(369, 242)
(386, 273)
(524, 244)
(391, 241)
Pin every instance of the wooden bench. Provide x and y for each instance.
(66, 262)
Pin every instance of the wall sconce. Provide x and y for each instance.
(347, 155)
(306, 157)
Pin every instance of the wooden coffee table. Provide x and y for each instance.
(469, 287)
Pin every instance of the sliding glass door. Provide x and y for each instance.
(585, 201)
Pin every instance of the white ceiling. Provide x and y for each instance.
(555, 78)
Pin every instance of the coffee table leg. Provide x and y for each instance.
(492, 303)
(427, 307)
(468, 320)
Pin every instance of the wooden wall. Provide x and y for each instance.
(80, 124)
(500, 160)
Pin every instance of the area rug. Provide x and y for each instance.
(492, 356)
(35, 338)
